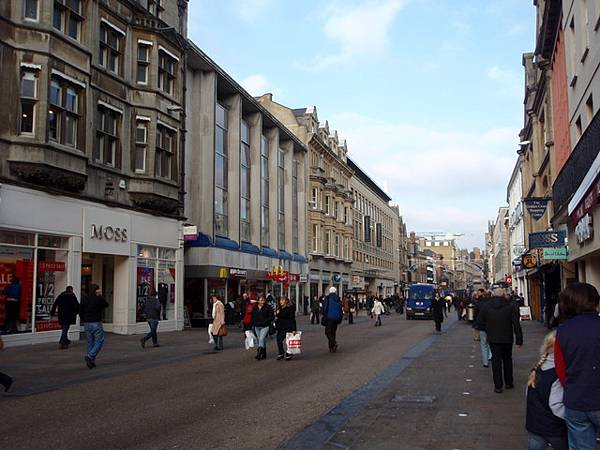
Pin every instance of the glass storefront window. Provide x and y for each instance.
(52, 241)
(156, 274)
(17, 238)
(16, 289)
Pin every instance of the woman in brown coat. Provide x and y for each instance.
(219, 329)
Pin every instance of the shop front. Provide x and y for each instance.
(54, 242)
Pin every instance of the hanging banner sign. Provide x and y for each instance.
(555, 253)
(547, 239)
(536, 207)
(529, 260)
(587, 202)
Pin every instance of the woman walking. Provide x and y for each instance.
(219, 328)
(577, 360)
(285, 322)
(545, 410)
(439, 309)
(378, 310)
(262, 317)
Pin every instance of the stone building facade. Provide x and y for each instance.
(91, 141)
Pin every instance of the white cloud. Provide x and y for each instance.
(359, 30)
(250, 10)
(258, 85)
(442, 180)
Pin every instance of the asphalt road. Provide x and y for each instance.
(227, 400)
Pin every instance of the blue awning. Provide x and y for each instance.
(268, 251)
(249, 248)
(285, 255)
(299, 258)
(201, 241)
(227, 243)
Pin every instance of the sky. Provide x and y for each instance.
(427, 93)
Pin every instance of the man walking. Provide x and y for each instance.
(486, 352)
(68, 308)
(315, 310)
(152, 309)
(500, 320)
(438, 307)
(91, 316)
(332, 312)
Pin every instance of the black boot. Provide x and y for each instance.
(264, 353)
(258, 353)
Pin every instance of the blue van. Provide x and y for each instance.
(420, 299)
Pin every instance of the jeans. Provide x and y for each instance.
(262, 333)
(95, 338)
(280, 340)
(537, 442)
(330, 332)
(378, 320)
(218, 342)
(64, 337)
(502, 362)
(486, 353)
(583, 427)
(153, 323)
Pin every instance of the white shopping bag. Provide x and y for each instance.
(251, 340)
(211, 340)
(293, 342)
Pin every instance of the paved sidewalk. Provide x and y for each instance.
(442, 399)
(43, 367)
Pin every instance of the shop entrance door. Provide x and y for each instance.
(99, 270)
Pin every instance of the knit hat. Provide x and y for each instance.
(332, 290)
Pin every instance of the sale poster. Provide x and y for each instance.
(145, 282)
(46, 294)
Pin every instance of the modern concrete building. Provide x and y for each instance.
(376, 224)
(91, 142)
(330, 201)
(246, 194)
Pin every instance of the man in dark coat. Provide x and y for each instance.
(438, 305)
(90, 313)
(333, 315)
(152, 309)
(500, 319)
(68, 308)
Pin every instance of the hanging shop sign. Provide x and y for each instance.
(536, 207)
(529, 260)
(584, 230)
(190, 233)
(546, 239)
(508, 279)
(337, 278)
(555, 253)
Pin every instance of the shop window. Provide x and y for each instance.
(28, 101)
(17, 238)
(16, 275)
(156, 271)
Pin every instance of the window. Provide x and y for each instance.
(589, 106)
(281, 199)
(337, 244)
(67, 17)
(578, 129)
(327, 242)
(327, 205)
(264, 191)
(346, 217)
(107, 150)
(111, 43)
(316, 238)
(245, 183)
(143, 60)
(63, 112)
(221, 171)
(295, 244)
(30, 9)
(346, 254)
(336, 212)
(155, 8)
(28, 101)
(141, 143)
(314, 199)
(166, 72)
(166, 142)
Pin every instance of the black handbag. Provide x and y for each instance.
(272, 330)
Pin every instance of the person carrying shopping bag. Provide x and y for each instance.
(378, 310)
(262, 317)
(219, 328)
(285, 322)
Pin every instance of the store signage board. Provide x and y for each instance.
(529, 260)
(525, 312)
(584, 230)
(190, 233)
(546, 239)
(536, 207)
(555, 253)
(587, 202)
(106, 232)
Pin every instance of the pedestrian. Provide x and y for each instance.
(5, 380)
(545, 422)
(486, 352)
(90, 313)
(438, 308)
(68, 308)
(378, 309)
(458, 307)
(262, 318)
(577, 358)
(152, 309)
(315, 310)
(248, 305)
(285, 322)
(332, 317)
(500, 320)
(351, 310)
(12, 305)
(219, 328)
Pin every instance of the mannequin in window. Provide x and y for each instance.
(163, 296)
